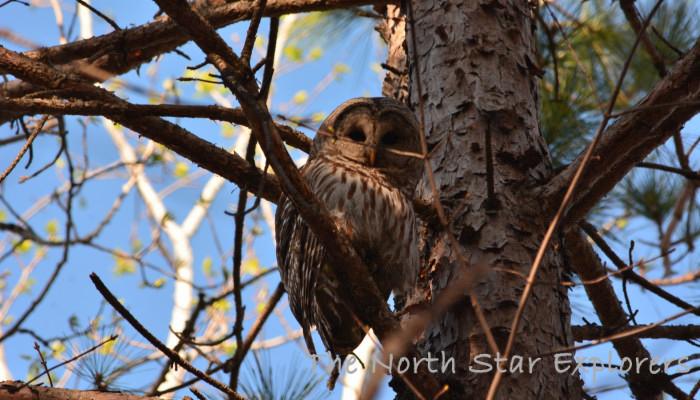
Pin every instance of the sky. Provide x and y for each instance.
(357, 56)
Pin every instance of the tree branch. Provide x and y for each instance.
(173, 356)
(631, 139)
(119, 52)
(56, 106)
(644, 385)
(8, 392)
(675, 332)
(629, 273)
(201, 152)
(635, 21)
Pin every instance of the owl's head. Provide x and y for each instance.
(376, 132)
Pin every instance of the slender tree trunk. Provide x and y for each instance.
(476, 65)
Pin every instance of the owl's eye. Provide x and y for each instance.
(357, 135)
(390, 138)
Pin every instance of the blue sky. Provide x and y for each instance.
(74, 295)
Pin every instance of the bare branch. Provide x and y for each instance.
(630, 274)
(24, 148)
(588, 266)
(121, 51)
(676, 332)
(635, 21)
(97, 12)
(98, 107)
(691, 276)
(173, 356)
(64, 254)
(9, 390)
(197, 150)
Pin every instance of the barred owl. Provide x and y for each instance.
(363, 167)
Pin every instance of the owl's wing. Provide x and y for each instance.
(299, 256)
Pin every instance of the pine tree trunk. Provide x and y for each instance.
(476, 64)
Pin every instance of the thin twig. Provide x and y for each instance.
(695, 390)
(173, 356)
(111, 109)
(632, 314)
(238, 259)
(631, 275)
(247, 343)
(66, 247)
(247, 51)
(692, 175)
(14, 1)
(24, 148)
(88, 351)
(43, 363)
(100, 14)
(675, 332)
(184, 337)
(633, 17)
(197, 394)
(627, 333)
(270, 58)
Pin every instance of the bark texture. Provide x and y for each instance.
(475, 61)
(9, 391)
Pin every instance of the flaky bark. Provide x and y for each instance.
(475, 63)
(8, 391)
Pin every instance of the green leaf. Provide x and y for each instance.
(123, 265)
(51, 228)
(250, 266)
(293, 53)
(136, 245)
(300, 97)
(227, 131)
(340, 68)
(222, 305)
(159, 283)
(229, 347)
(318, 117)
(57, 348)
(207, 265)
(181, 169)
(108, 348)
(315, 54)
(24, 246)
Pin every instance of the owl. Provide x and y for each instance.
(364, 166)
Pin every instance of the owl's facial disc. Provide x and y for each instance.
(377, 133)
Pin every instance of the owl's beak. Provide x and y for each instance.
(371, 156)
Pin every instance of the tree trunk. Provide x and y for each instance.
(476, 65)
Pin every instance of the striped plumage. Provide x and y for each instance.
(366, 181)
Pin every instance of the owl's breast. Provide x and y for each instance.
(377, 216)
